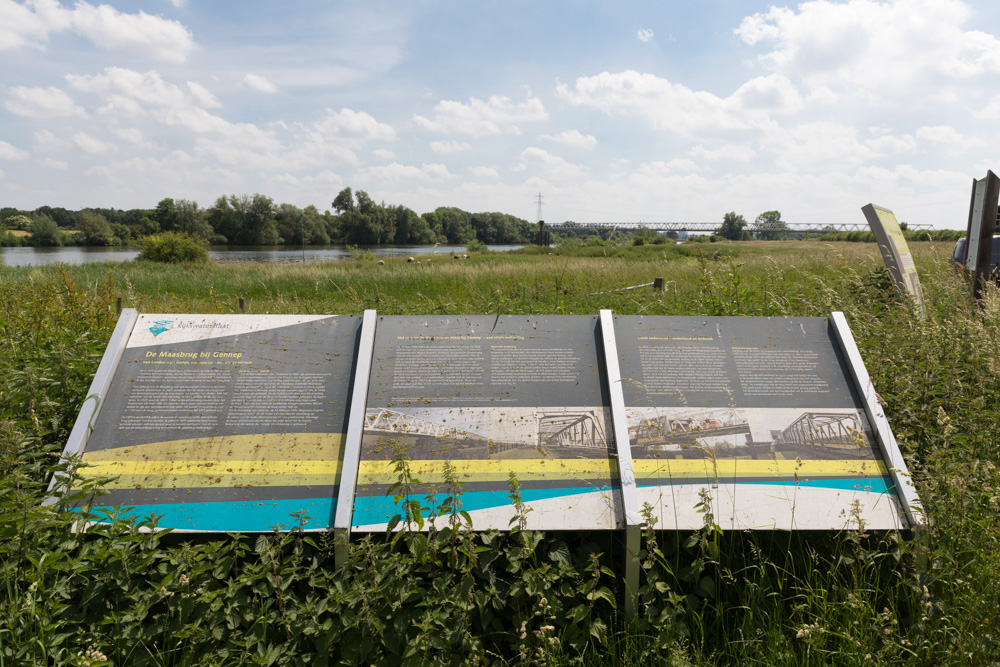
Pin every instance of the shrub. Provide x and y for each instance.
(358, 253)
(173, 248)
(475, 245)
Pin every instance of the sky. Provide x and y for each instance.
(632, 111)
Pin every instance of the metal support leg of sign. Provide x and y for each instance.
(352, 444)
(92, 403)
(906, 492)
(630, 499)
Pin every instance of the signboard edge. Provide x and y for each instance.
(626, 473)
(106, 369)
(355, 430)
(898, 470)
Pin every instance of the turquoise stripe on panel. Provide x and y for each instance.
(379, 509)
(248, 516)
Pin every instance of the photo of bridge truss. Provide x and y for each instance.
(687, 432)
(814, 433)
(780, 433)
(487, 432)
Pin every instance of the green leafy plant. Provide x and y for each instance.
(173, 248)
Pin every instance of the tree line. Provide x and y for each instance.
(241, 219)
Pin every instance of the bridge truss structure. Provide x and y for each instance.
(709, 227)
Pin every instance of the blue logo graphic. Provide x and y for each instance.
(160, 326)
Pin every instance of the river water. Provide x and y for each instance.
(27, 256)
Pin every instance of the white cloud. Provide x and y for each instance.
(774, 93)
(259, 83)
(384, 154)
(892, 145)
(323, 178)
(893, 53)
(674, 166)
(665, 105)
(819, 146)
(645, 35)
(357, 126)
(179, 4)
(572, 138)
(941, 134)
(39, 102)
(29, 26)
(397, 173)
(202, 96)
(131, 135)
(484, 172)
(177, 172)
(730, 153)
(448, 147)
(8, 152)
(480, 118)
(47, 141)
(89, 144)
(61, 165)
(543, 164)
(991, 111)
(126, 89)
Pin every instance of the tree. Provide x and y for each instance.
(244, 220)
(732, 226)
(433, 220)
(190, 219)
(455, 224)
(290, 221)
(20, 222)
(367, 223)
(45, 231)
(410, 227)
(773, 226)
(96, 229)
(164, 215)
(344, 201)
(63, 218)
(500, 228)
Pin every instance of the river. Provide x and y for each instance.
(27, 256)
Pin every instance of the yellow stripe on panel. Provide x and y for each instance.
(290, 446)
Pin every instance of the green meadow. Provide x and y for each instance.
(120, 594)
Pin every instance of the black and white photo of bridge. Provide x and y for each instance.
(481, 433)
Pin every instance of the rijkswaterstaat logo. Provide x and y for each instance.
(160, 326)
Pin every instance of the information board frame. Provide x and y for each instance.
(896, 255)
(980, 230)
(625, 495)
(90, 409)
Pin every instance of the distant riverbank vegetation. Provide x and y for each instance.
(257, 220)
(356, 219)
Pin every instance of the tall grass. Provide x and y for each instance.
(117, 595)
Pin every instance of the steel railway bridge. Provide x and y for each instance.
(709, 227)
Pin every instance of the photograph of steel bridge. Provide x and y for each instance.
(755, 433)
(487, 433)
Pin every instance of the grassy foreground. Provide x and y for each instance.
(120, 596)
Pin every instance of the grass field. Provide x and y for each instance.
(118, 595)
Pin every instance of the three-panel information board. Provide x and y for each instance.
(240, 423)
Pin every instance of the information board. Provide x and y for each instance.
(491, 397)
(244, 423)
(980, 231)
(895, 254)
(754, 420)
(226, 422)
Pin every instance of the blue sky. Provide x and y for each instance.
(629, 111)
